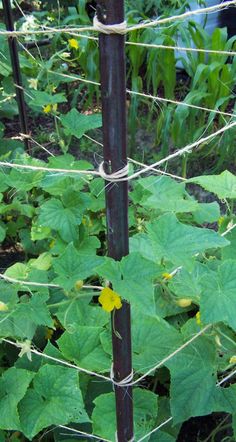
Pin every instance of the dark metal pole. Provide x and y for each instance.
(113, 89)
(13, 48)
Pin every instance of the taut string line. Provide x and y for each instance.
(113, 28)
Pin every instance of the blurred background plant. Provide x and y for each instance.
(52, 89)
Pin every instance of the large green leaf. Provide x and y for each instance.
(193, 375)
(54, 399)
(165, 194)
(13, 386)
(42, 98)
(81, 313)
(72, 266)
(188, 284)
(24, 180)
(207, 213)
(178, 243)
(22, 319)
(223, 185)
(145, 414)
(78, 124)
(229, 252)
(218, 295)
(83, 346)
(152, 340)
(132, 279)
(55, 215)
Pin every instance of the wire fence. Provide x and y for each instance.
(121, 175)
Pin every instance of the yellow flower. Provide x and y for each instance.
(3, 307)
(184, 302)
(109, 300)
(167, 276)
(47, 108)
(232, 360)
(73, 43)
(198, 318)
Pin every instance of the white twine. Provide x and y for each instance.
(180, 48)
(41, 284)
(110, 379)
(142, 25)
(149, 96)
(124, 382)
(59, 361)
(119, 28)
(115, 176)
(121, 175)
(117, 440)
(82, 433)
(155, 429)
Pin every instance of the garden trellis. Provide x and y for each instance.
(114, 170)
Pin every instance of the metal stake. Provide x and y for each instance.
(113, 89)
(13, 48)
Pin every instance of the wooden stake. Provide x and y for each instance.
(113, 89)
(13, 48)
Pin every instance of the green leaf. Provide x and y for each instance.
(207, 213)
(55, 399)
(53, 214)
(145, 414)
(78, 124)
(229, 252)
(141, 243)
(81, 313)
(178, 243)
(24, 180)
(72, 266)
(188, 284)
(218, 295)
(13, 386)
(43, 262)
(17, 271)
(223, 185)
(152, 340)
(22, 320)
(193, 375)
(132, 279)
(83, 346)
(165, 194)
(41, 98)
(2, 231)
